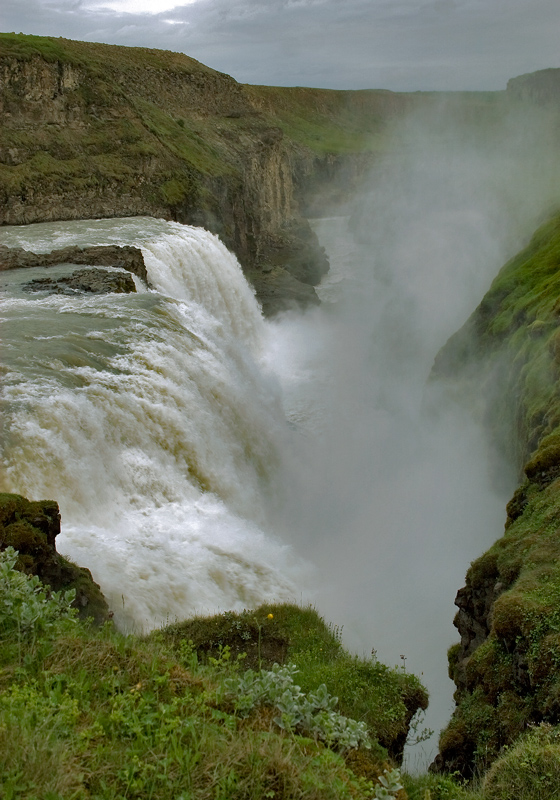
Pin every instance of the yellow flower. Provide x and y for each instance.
(270, 616)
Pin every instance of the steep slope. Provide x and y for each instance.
(506, 665)
(94, 130)
(91, 130)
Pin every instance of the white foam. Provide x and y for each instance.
(151, 421)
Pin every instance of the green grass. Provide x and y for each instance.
(529, 770)
(87, 712)
(385, 699)
(511, 345)
(183, 141)
(95, 55)
(327, 121)
(440, 787)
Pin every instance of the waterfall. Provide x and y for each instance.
(150, 418)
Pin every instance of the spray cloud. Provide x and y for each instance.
(392, 495)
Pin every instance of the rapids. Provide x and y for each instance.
(150, 419)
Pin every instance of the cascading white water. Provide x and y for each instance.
(150, 420)
(158, 420)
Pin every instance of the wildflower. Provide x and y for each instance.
(270, 616)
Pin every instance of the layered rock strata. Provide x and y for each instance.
(92, 130)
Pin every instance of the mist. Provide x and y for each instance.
(180, 484)
(392, 487)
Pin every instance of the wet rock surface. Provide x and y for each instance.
(84, 281)
(279, 291)
(125, 257)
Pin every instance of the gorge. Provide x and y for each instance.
(308, 441)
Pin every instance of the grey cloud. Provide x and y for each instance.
(399, 45)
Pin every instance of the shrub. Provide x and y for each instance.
(27, 611)
(312, 714)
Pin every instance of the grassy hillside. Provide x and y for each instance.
(328, 121)
(509, 678)
(86, 712)
(157, 113)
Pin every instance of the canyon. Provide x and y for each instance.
(95, 131)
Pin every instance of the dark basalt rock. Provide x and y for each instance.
(129, 258)
(31, 528)
(89, 281)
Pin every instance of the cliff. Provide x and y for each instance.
(506, 665)
(542, 87)
(91, 130)
(31, 529)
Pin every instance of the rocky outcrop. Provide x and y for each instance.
(278, 291)
(84, 281)
(506, 665)
(31, 528)
(129, 258)
(542, 87)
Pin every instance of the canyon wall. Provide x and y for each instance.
(94, 130)
(506, 665)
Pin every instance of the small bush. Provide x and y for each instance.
(26, 610)
(312, 714)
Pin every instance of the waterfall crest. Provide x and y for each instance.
(150, 419)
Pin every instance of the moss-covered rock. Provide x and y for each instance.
(31, 528)
(506, 667)
(529, 770)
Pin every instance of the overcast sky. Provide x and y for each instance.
(401, 45)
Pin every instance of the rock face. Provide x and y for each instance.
(129, 258)
(31, 528)
(93, 130)
(542, 87)
(506, 664)
(84, 281)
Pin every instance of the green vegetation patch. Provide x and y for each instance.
(511, 346)
(384, 699)
(327, 121)
(89, 713)
(181, 139)
(25, 47)
(95, 55)
(529, 769)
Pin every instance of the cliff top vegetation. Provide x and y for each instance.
(88, 712)
(509, 680)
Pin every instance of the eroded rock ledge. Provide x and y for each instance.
(126, 257)
(31, 528)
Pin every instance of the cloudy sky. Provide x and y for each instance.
(401, 45)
